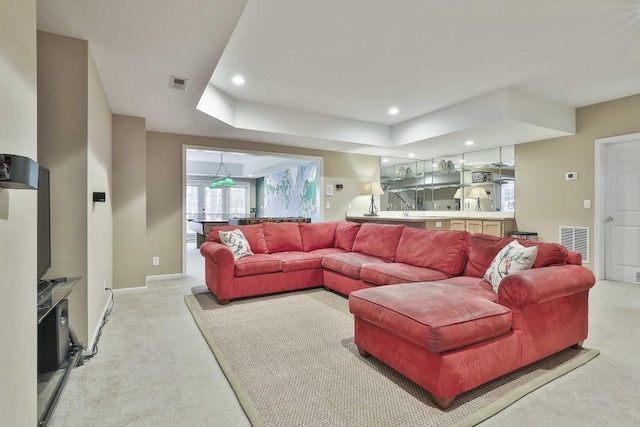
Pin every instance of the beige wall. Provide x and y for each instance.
(544, 199)
(74, 142)
(62, 147)
(165, 199)
(99, 215)
(129, 202)
(18, 135)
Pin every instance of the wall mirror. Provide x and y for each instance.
(482, 180)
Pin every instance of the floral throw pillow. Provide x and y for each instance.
(513, 257)
(235, 241)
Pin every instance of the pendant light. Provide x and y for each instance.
(220, 181)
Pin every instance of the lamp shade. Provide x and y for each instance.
(222, 182)
(458, 194)
(219, 181)
(478, 193)
(373, 188)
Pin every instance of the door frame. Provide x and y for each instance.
(600, 199)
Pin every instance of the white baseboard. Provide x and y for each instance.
(164, 277)
(133, 288)
(87, 352)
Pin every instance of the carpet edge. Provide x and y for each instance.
(517, 394)
(243, 399)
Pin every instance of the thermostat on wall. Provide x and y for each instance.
(571, 176)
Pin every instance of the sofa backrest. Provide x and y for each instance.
(253, 233)
(441, 250)
(346, 232)
(282, 236)
(317, 235)
(380, 240)
(483, 249)
(574, 258)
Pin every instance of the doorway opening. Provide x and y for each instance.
(263, 185)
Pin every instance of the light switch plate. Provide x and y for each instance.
(328, 205)
(587, 204)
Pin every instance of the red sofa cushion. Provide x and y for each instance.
(293, 261)
(257, 264)
(349, 263)
(317, 235)
(327, 251)
(473, 285)
(444, 251)
(394, 272)
(548, 253)
(483, 248)
(379, 240)
(574, 258)
(282, 236)
(346, 233)
(253, 234)
(437, 318)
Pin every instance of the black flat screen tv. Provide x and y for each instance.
(44, 222)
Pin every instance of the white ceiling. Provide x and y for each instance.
(323, 74)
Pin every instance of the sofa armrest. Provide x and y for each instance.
(219, 266)
(538, 285)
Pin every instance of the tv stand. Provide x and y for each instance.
(42, 285)
(59, 350)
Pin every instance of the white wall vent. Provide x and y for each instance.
(576, 239)
(638, 277)
(178, 83)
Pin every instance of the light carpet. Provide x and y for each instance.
(291, 361)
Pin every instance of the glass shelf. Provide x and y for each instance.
(53, 294)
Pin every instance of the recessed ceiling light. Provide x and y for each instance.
(385, 160)
(393, 111)
(239, 80)
(411, 155)
(250, 176)
(469, 142)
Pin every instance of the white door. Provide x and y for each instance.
(622, 228)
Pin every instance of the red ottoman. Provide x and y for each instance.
(439, 336)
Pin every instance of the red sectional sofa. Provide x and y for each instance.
(287, 256)
(440, 324)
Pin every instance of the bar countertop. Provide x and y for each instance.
(418, 216)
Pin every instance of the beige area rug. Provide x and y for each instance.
(292, 361)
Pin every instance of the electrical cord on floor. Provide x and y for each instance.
(105, 319)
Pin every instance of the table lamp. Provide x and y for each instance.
(478, 193)
(374, 189)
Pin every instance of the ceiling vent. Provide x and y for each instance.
(178, 83)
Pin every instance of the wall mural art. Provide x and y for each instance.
(290, 193)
